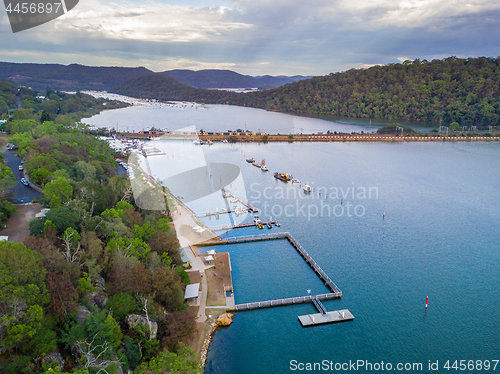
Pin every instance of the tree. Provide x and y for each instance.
(172, 363)
(23, 295)
(121, 305)
(63, 217)
(62, 292)
(44, 116)
(40, 176)
(58, 191)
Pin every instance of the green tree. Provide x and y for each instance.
(58, 191)
(23, 295)
(173, 363)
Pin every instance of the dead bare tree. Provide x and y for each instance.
(92, 358)
(70, 253)
(144, 301)
(127, 193)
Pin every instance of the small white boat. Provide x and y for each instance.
(307, 188)
(264, 167)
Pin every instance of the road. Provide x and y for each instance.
(22, 194)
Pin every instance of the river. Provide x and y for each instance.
(395, 223)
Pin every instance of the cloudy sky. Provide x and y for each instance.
(256, 37)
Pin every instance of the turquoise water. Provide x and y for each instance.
(439, 238)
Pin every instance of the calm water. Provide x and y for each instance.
(225, 117)
(439, 238)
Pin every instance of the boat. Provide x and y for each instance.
(307, 188)
(263, 166)
(282, 177)
(250, 160)
(260, 226)
(269, 226)
(277, 224)
(197, 142)
(255, 163)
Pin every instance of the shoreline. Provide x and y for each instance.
(264, 138)
(290, 138)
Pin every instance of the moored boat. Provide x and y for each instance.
(282, 177)
(307, 188)
(250, 160)
(263, 166)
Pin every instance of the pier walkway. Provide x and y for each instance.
(308, 320)
(226, 193)
(243, 225)
(283, 302)
(321, 308)
(286, 235)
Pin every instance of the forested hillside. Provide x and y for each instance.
(98, 285)
(160, 87)
(68, 77)
(466, 91)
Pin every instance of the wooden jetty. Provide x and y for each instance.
(226, 193)
(324, 316)
(210, 213)
(242, 225)
(335, 316)
(284, 302)
(286, 235)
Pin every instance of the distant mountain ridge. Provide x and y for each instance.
(80, 77)
(227, 79)
(68, 77)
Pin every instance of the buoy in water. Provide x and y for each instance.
(426, 302)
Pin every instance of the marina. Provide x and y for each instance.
(309, 320)
(283, 235)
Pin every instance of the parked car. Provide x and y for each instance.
(20, 167)
(25, 182)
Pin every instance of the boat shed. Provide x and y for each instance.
(192, 291)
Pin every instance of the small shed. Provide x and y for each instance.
(192, 291)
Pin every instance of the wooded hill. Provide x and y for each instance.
(68, 77)
(74, 294)
(466, 91)
(157, 86)
(105, 78)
